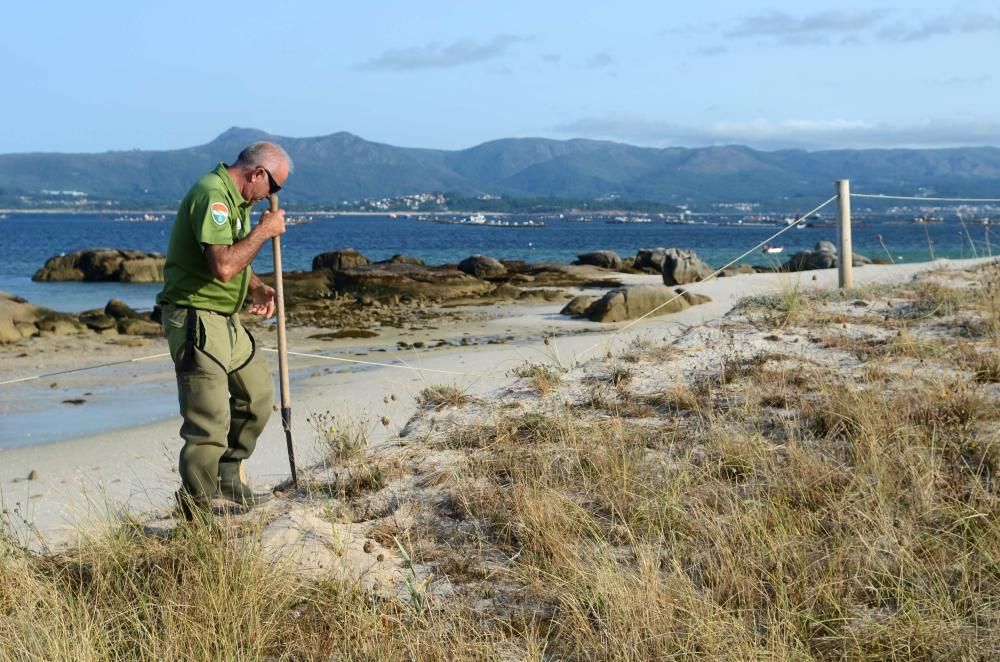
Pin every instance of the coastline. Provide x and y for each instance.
(83, 478)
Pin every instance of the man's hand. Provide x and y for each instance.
(262, 301)
(272, 223)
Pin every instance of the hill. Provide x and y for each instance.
(343, 167)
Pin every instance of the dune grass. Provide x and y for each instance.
(776, 509)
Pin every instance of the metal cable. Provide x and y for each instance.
(882, 196)
(705, 279)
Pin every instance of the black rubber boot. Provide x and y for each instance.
(193, 508)
(232, 487)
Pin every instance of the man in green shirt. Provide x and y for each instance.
(224, 387)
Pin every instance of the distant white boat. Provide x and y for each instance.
(768, 249)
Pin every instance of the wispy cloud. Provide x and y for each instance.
(958, 22)
(788, 134)
(444, 56)
(779, 24)
(844, 27)
(601, 60)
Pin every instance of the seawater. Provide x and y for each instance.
(28, 240)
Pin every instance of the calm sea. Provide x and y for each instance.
(28, 240)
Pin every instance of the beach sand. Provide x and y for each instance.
(100, 467)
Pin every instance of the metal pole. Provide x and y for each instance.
(845, 252)
(286, 395)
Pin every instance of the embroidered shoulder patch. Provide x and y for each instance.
(220, 213)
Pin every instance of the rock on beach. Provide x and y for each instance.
(103, 264)
(629, 303)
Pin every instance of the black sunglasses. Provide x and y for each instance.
(273, 184)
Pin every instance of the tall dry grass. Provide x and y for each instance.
(772, 511)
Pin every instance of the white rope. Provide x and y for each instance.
(266, 349)
(375, 363)
(882, 196)
(90, 367)
(705, 279)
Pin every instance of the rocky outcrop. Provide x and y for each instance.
(399, 258)
(103, 264)
(682, 266)
(385, 281)
(603, 259)
(577, 306)
(737, 270)
(649, 260)
(339, 260)
(18, 318)
(823, 256)
(559, 275)
(628, 303)
(482, 266)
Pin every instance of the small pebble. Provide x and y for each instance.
(385, 420)
(32, 475)
(368, 547)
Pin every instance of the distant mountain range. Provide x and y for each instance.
(343, 167)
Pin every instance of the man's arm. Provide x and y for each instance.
(226, 261)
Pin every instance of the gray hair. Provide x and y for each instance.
(263, 155)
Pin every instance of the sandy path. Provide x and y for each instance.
(84, 478)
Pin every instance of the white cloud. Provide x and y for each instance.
(848, 28)
(788, 134)
(601, 60)
(958, 22)
(443, 56)
(779, 24)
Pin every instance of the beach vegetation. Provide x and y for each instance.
(543, 378)
(831, 499)
(438, 396)
(339, 437)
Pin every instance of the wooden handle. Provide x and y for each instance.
(279, 295)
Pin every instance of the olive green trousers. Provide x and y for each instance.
(224, 389)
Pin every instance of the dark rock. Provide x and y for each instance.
(339, 260)
(737, 270)
(61, 325)
(139, 327)
(682, 266)
(303, 285)
(103, 264)
(119, 310)
(627, 303)
(96, 320)
(398, 258)
(383, 281)
(506, 291)
(603, 259)
(482, 266)
(824, 256)
(577, 306)
(650, 260)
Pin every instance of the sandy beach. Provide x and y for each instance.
(116, 451)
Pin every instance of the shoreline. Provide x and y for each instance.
(80, 478)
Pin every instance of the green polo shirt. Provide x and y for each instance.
(212, 213)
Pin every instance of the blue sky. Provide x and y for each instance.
(127, 75)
